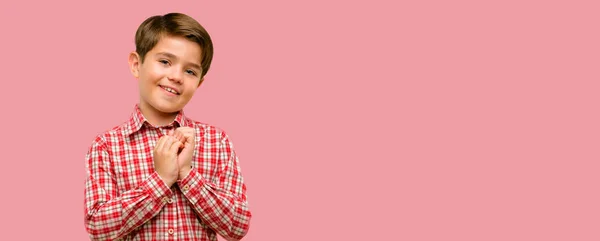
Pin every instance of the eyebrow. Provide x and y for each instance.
(172, 56)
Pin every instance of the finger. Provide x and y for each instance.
(189, 130)
(170, 132)
(168, 142)
(187, 134)
(176, 134)
(175, 147)
(181, 137)
(174, 141)
(160, 143)
(189, 137)
(185, 128)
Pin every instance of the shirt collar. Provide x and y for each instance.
(137, 120)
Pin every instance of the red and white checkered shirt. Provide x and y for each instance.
(125, 199)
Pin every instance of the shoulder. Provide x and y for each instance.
(209, 132)
(111, 136)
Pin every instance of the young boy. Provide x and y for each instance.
(161, 175)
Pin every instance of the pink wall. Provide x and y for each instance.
(372, 120)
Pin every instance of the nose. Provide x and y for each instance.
(175, 76)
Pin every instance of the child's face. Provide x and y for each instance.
(169, 75)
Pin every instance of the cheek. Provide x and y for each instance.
(153, 73)
(190, 88)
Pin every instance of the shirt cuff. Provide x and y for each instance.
(156, 187)
(191, 185)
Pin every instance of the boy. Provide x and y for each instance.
(161, 175)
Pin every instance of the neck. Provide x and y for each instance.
(156, 117)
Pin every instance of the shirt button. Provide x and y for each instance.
(170, 200)
(165, 199)
(186, 187)
(170, 231)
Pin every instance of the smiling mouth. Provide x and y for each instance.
(169, 90)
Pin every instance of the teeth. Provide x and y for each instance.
(170, 90)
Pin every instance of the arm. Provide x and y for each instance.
(221, 205)
(110, 214)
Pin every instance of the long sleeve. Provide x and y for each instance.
(221, 205)
(109, 214)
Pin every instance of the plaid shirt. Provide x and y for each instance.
(125, 198)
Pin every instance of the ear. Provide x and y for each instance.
(134, 64)
(199, 83)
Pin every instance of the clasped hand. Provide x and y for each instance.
(173, 154)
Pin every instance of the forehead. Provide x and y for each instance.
(180, 47)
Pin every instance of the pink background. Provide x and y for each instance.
(371, 120)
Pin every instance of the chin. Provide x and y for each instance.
(166, 107)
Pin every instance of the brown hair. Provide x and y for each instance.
(176, 25)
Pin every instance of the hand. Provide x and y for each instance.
(178, 136)
(165, 159)
(184, 160)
